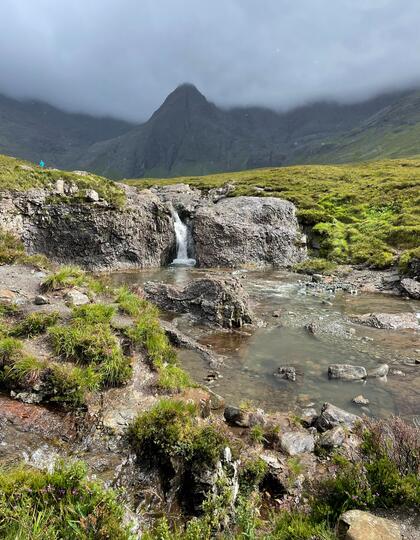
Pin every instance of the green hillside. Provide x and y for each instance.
(361, 213)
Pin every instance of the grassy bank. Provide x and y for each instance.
(18, 175)
(363, 213)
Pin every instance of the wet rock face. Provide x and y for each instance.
(388, 321)
(90, 233)
(218, 301)
(247, 231)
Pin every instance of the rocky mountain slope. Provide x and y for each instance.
(190, 135)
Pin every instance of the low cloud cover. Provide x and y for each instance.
(122, 57)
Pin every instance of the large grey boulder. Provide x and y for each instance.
(215, 300)
(411, 287)
(332, 416)
(297, 442)
(242, 231)
(360, 525)
(346, 372)
(388, 321)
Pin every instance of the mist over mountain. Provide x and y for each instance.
(188, 135)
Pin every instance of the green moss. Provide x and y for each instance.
(251, 475)
(315, 266)
(41, 505)
(12, 251)
(408, 260)
(34, 324)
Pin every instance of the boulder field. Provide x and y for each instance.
(81, 227)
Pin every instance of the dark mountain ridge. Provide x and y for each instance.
(188, 135)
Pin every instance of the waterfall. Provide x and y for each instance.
(181, 233)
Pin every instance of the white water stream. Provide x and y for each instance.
(181, 233)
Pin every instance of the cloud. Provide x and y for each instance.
(122, 57)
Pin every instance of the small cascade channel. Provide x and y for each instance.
(181, 233)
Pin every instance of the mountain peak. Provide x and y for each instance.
(184, 101)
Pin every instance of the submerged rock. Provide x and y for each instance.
(360, 400)
(388, 321)
(215, 300)
(378, 372)
(286, 372)
(332, 416)
(247, 231)
(359, 525)
(346, 372)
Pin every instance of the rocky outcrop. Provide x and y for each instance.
(359, 525)
(388, 321)
(297, 442)
(332, 416)
(91, 232)
(411, 287)
(215, 300)
(247, 231)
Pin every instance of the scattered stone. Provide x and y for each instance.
(77, 298)
(397, 372)
(216, 300)
(277, 313)
(333, 438)
(296, 442)
(361, 400)
(91, 195)
(411, 287)
(317, 278)
(308, 417)
(378, 372)
(41, 300)
(27, 397)
(346, 372)
(360, 525)
(7, 295)
(332, 416)
(236, 416)
(59, 187)
(388, 321)
(216, 402)
(311, 328)
(286, 372)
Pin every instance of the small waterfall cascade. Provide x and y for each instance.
(181, 233)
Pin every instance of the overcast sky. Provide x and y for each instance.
(122, 57)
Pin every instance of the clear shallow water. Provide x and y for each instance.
(251, 357)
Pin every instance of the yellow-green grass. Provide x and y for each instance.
(362, 213)
(19, 175)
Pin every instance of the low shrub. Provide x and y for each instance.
(10, 349)
(315, 266)
(34, 324)
(67, 276)
(41, 505)
(70, 384)
(251, 475)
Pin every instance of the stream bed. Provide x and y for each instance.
(252, 356)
